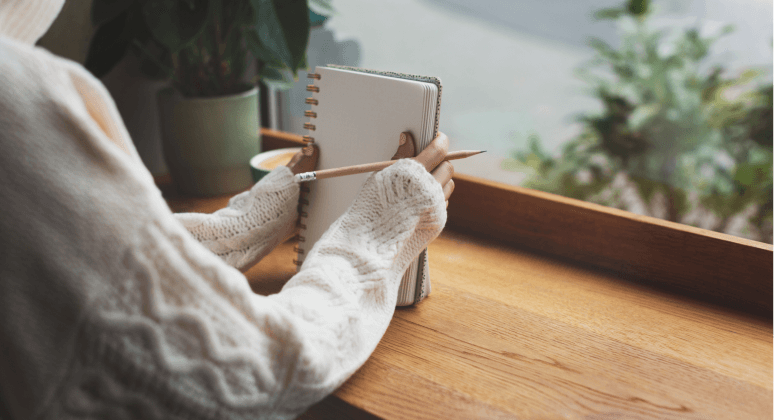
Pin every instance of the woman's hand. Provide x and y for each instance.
(433, 160)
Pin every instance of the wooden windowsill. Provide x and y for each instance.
(544, 307)
(714, 267)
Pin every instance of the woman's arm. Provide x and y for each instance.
(345, 293)
(184, 333)
(173, 330)
(253, 223)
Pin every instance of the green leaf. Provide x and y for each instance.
(727, 29)
(750, 174)
(293, 16)
(604, 49)
(277, 77)
(270, 31)
(642, 115)
(322, 7)
(253, 42)
(638, 7)
(108, 46)
(234, 56)
(748, 75)
(175, 23)
(697, 48)
(105, 10)
(536, 147)
(305, 63)
(155, 64)
(283, 30)
(646, 187)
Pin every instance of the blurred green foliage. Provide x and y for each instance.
(699, 138)
(204, 46)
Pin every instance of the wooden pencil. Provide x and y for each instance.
(370, 167)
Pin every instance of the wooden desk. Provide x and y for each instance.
(508, 333)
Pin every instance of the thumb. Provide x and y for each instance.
(434, 153)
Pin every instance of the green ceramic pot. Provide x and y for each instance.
(208, 142)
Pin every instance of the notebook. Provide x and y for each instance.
(356, 117)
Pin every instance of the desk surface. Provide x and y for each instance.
(508, 333)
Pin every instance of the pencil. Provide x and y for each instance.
(370, 167)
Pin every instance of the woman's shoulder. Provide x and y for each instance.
(28, 72)
(33, 81)
(22, 59)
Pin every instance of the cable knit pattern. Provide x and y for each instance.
(168, 340)
(254, 222)
(110, 308)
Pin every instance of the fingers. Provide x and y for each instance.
(433, 160)
(443, 172)
(434, 153)
(447, 190)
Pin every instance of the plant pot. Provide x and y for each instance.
(135, 97)
(208, 142)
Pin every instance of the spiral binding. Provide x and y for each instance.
(302, 198)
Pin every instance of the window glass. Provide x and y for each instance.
(657, 108)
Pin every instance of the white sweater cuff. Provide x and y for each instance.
(253, 223)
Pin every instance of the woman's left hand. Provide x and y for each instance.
(433, 160)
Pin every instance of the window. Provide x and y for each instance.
(514, 84)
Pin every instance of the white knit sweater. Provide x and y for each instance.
(111, 308)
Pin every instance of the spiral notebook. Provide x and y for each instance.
(356, 117)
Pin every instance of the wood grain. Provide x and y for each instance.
(719, 268)
(513, 334)
(516, 334)
(536, 366)
(388, 397)
(604, 304)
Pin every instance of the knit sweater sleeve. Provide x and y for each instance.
(253, 223)
(110, 308)
(346, 290)
(182, 335)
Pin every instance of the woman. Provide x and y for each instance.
(113, 307)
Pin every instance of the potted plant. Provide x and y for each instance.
(205, 48)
